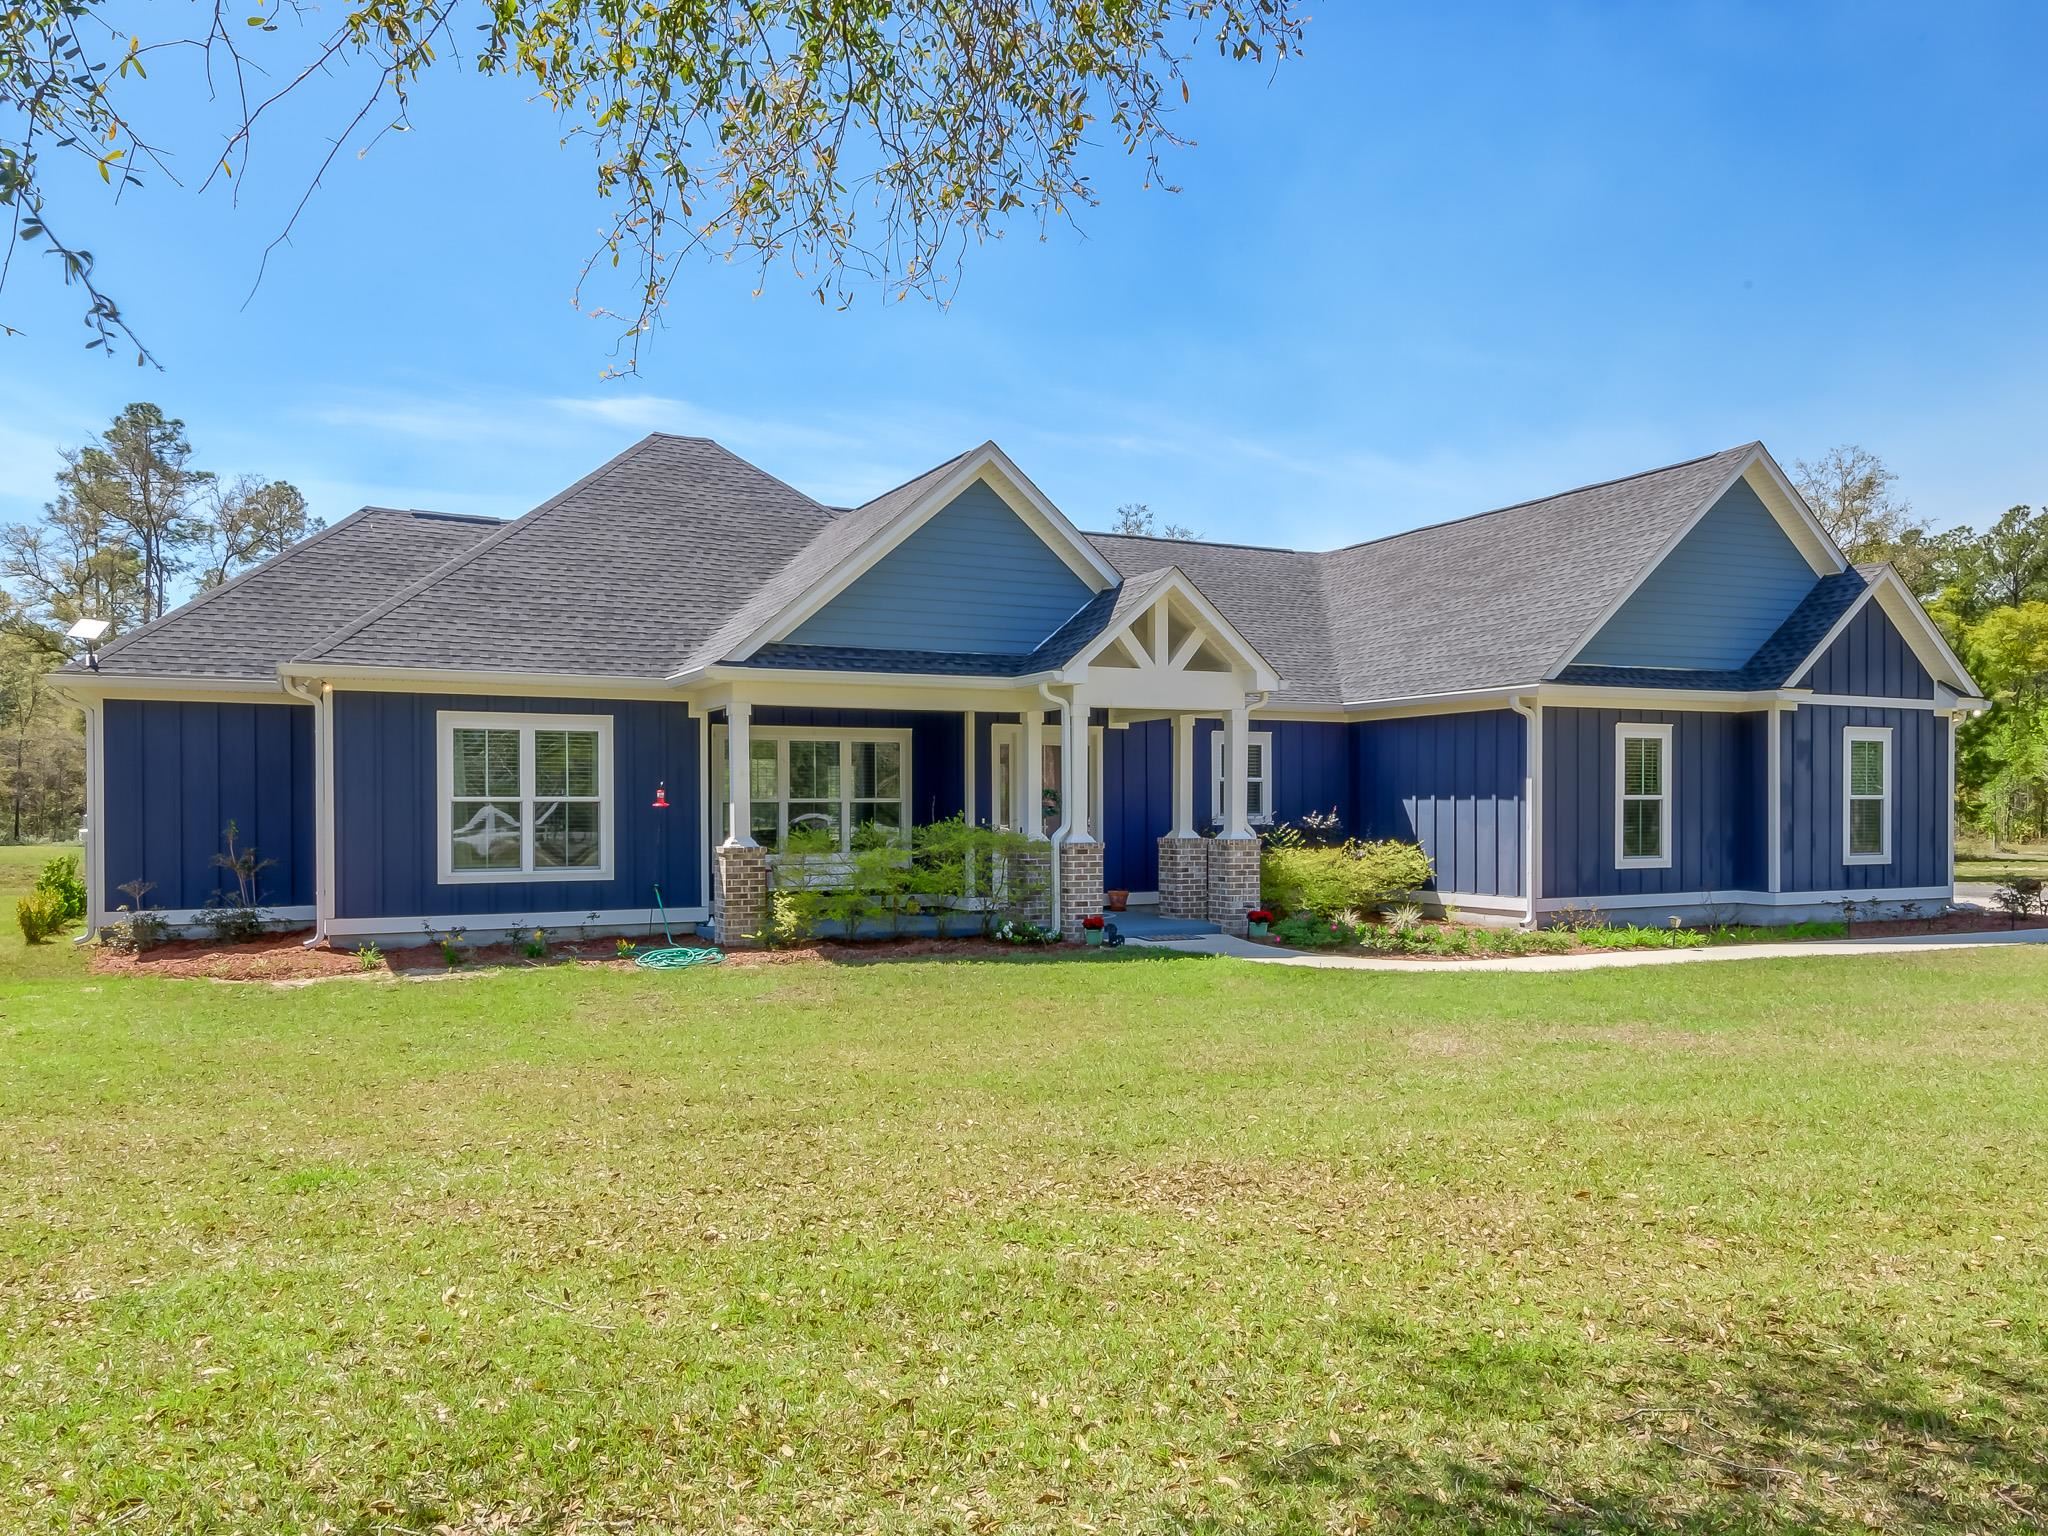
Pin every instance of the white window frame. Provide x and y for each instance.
(447, 722)
(782, 735)
(1218, 803)
(1882, 735)
(1624, 733)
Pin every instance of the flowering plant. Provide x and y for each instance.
(1259, 915)
(1093, 920)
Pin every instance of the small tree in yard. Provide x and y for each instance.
(239, 920)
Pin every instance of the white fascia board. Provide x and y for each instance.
(1425, 703)
(195, 689)
(364, 679)
(988, 464)
(1780, 499)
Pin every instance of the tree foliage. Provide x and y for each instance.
(858, 141)
(1850, 491)
(1134, 520)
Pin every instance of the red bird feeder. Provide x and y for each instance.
(661, 796)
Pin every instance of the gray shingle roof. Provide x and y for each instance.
(245, 627)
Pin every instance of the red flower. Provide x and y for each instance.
(1091, 921)
(1258, 915)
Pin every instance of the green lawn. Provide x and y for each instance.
(1109, 1243)
(1999, 867)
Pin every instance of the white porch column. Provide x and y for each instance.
(1033, 809)
(1774, 793)
(739, 774)
(1237, 769)
(1075, 785)
(1183, 775)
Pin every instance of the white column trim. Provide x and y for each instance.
(1774, 765)
(739, 775)
(1183, 775)
(1237, 773)
(1032, 811)
(1076, 783)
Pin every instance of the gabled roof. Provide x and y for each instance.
(244, 627)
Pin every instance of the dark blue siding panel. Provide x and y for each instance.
(386, 861)
(1313, 770)
(1137, 803)
(177, 773)
(1812, 766)
(1717, 811)
(1452, 783)
(1870, 658)
(974, 578)
(1715, 599)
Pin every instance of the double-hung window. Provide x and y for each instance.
(1642, 796)
(826, 789)
(1866, 794)
(1258, 798)
(524, 797)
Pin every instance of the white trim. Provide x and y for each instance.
(1473, 901)
(1851, 735)
(639, 918)
(199, 917)
(96, 892)
(1219, 791)
(1667, 785)
(987, 464)
(704, 810)
(1774, 796)
(1745, 898)
(1531, 711)
(578, 685)
(780, 736)
(1780, 498)
(1953, 722)
(1152, 667)
(81, 686)
(447, 722)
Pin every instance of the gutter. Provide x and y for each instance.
(1530, 708)
(320, 696)
(1059, 833)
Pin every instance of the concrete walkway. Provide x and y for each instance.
(1244, 949)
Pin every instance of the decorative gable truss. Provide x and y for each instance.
(1166, 647)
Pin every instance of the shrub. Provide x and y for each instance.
(1324, 881)
(536, 944)
(60, 876)
(2019, 898)
(793, 913)
(40, 913)
(1641, 938)
(139, 929)
(231, 922)
(369, 957)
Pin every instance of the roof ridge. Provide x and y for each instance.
(912, 480)
(206, 595)
(1535, 501)
(446, 517)
(1161, 538)
(490, 541)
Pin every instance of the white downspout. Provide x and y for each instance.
(1531, 711)
(1059, 833)
(319, 696)
(93, 834)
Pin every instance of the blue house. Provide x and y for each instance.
(1667, 694)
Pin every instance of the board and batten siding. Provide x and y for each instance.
(1719, 806)
(974, 577)
(387, 862)
(1715, 599)
(1452, 783)
(1870, 659)
(1137, 803)
(1812, 765)
(938, 743)
(178, 772)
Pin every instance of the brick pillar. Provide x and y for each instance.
(1080, 886)
(1028, 888)
(739, 894)
(1184, 877)
(1233, 881)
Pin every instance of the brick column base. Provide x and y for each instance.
(739, 894)
(1080, 886)
(1233, 881)
(1184, 877)
(1027, 887)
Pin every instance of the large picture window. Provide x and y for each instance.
(1866, 794)
(828, 790)
(1642, 796)
(524, 797)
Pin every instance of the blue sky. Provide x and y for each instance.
(1451, 258)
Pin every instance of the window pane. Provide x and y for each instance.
(813, 771)
(1866, 826)
(1866, 768)
(877, 770)
(813, 817)
(484, 834)
(1642, 829)
(877, 824)
(1255, 798)
(565, 762)
(1642, 765)
(486, 762)
(566, 835)
(763, 783)
(765, 823)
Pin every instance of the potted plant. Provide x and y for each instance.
(1115, 901)
(1258, 922)
(1091, 928)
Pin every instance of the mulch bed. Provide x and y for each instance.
(1954, 922)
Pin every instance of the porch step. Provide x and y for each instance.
(1149, 925)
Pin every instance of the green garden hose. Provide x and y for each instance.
(676, 956)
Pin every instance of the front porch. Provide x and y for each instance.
(1134, 768)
